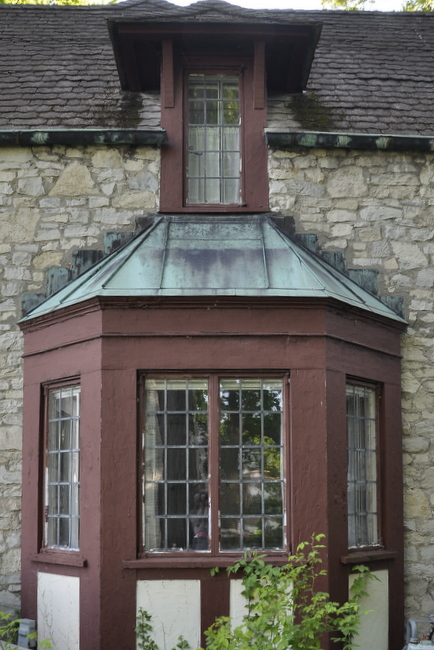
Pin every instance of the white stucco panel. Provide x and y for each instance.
(174, 606)
(374, 626)
(237, 603)
(59, 610)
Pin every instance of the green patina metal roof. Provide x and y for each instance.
(213, 256)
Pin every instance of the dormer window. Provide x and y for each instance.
(213, 170)
(213, 80)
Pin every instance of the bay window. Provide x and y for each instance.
(62, 482)
(363, 527)
(213, 464)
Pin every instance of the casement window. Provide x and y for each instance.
(213, 464)
(363, 529)
(213, 166)
(62, 478)
(214, 112)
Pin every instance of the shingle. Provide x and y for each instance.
(372, 71)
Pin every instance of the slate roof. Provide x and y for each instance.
(373, 72)
(210, 255)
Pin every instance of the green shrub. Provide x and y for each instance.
(284, 608)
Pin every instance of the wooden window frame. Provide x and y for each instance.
(254, 176)
(213, 378)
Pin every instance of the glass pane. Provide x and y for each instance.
(252, 465)
(75, 525)
(272, 395)
(212, 190)
(272, 429)
(250, 396)
(64, 532)
(176, 429)
(195, 164)
(231, 190)
(54, 405)
(230, 499)
(197, 395)
(53, 468)
(230, 429)
(196, 190)
(175, 395)
(65, 434)
(176, 534)
(176, 466)
(229, 395)
(212, 162)
(198, 429)
(65, 467)
(273, 500)
(252, 429)
(230, 463)
(231, 139)
(231, 165)
(64, 505)
(273, 533)
(198, 464)
(66, 404)
(252, 499)
(199, 520)
(52, 531)
(272, 462)
(230, 534)
(53, 504)
(53, 432)
(212, 139)
(176, 499)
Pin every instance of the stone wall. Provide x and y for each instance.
(52, 201)
(378, 208)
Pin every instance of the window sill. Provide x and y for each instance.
(158, 561)
(373, 555)
(63, 558)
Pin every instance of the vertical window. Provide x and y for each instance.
(211, 443)
(213, 166)
(62, 487)
(362, 466)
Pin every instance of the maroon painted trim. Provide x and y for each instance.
(259, 76)
(365, 556)
(214, 601)
(167, 75)
(62, 558)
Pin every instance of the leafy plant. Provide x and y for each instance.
(284, 608)
(9, 625)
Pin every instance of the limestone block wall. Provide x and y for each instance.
(52, 201)
(378, 208)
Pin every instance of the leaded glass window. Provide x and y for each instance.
(362, 466)
(62, 488)
(213, 443)
(213, 165)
